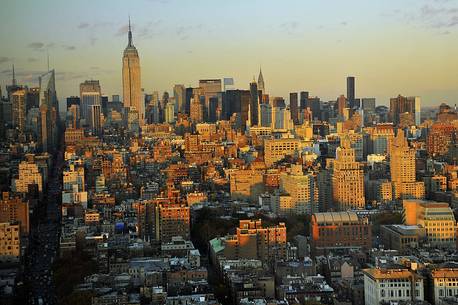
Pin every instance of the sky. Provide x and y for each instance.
(392, 47)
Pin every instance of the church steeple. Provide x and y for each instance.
(130, 35)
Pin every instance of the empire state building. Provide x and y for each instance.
(131, 80)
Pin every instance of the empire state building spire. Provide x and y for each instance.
(130, 35)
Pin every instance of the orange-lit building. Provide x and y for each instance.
(439, 138)
(402, 169)
(73, 135)
(162, 151)
(339, 230)
(347, 178)
(14, 209)
(436, 218)
(10, 242)
(174, 220)
(277, 149)
(252, 241)
(246, 183)
(162, 218)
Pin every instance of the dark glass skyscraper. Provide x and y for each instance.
(254, 103)
(73, 100)
(304, 99)
(293, 107)
(351, 91)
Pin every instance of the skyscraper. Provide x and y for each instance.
(402, 169)
(49, 111)
(179, 92)
(293, 107)
(131, 79)
(73, 100)
(341, 105)
(304, 100)
(302, 189)
(19, 108)
(347, 178)
(196, 112)
(261, 85)
(254, 103)
(351, 91)
(402, 104)
(209, 88)
(95, 122)
(90, 94)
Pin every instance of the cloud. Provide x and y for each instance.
(92, 40)
(4, 59)
(69, 48)
(36, 45)
(438, 15)
(122, 30)
(184, 32)
(40, 46)
(289, 27)
(149, 30)
(83, 25)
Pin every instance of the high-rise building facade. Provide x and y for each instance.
(174, 220)
(265, 114)
(131, 79)
(28, 174)
(302, 189)
(439, 138)
(18, 100)
(304, 97)
(73, 100)
(196, 110)
(179, 92)
(169, 113)
(15, 209)
(90, 94)
(293, 106)
(341, 105)
(351, 91)
(95, 119)
(405, 105)
(49, 112)
(254, 103)
(10, 243)
(402, 169)
(347, 178)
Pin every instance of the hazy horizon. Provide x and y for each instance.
(391, 48)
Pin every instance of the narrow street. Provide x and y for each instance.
(44, 239)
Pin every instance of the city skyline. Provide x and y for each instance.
(315, 53)
(236, 152)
